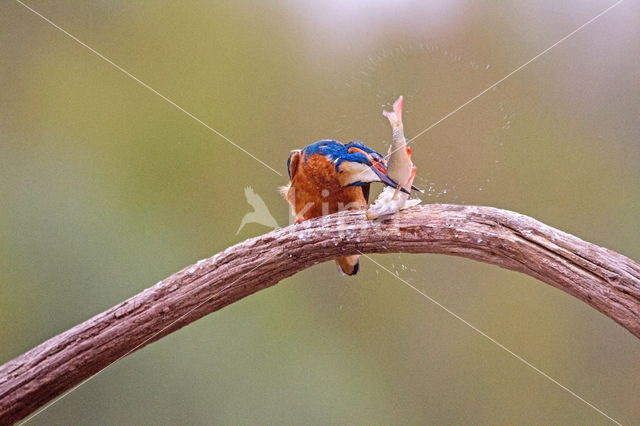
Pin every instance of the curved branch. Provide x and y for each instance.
(604, 279)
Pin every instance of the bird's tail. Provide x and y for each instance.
(349, 265)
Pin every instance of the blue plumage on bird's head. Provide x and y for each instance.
(355, 163)
(328, 176)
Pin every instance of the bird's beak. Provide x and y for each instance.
(382, 168)
(415, 188)
(386, 179)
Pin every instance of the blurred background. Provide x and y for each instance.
(106, 188)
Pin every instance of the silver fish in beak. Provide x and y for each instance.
(400, 169)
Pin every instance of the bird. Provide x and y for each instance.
(328, 176)
(260, 213)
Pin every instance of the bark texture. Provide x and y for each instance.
(606, 280)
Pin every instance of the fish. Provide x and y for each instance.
(400, 169)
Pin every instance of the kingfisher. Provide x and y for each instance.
(328, 176)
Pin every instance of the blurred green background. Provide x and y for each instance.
(106, 188)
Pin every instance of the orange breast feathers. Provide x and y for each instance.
(315, 188)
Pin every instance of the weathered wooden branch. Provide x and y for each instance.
(606, 280)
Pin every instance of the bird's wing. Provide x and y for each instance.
(292, 163)
(365, 191)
